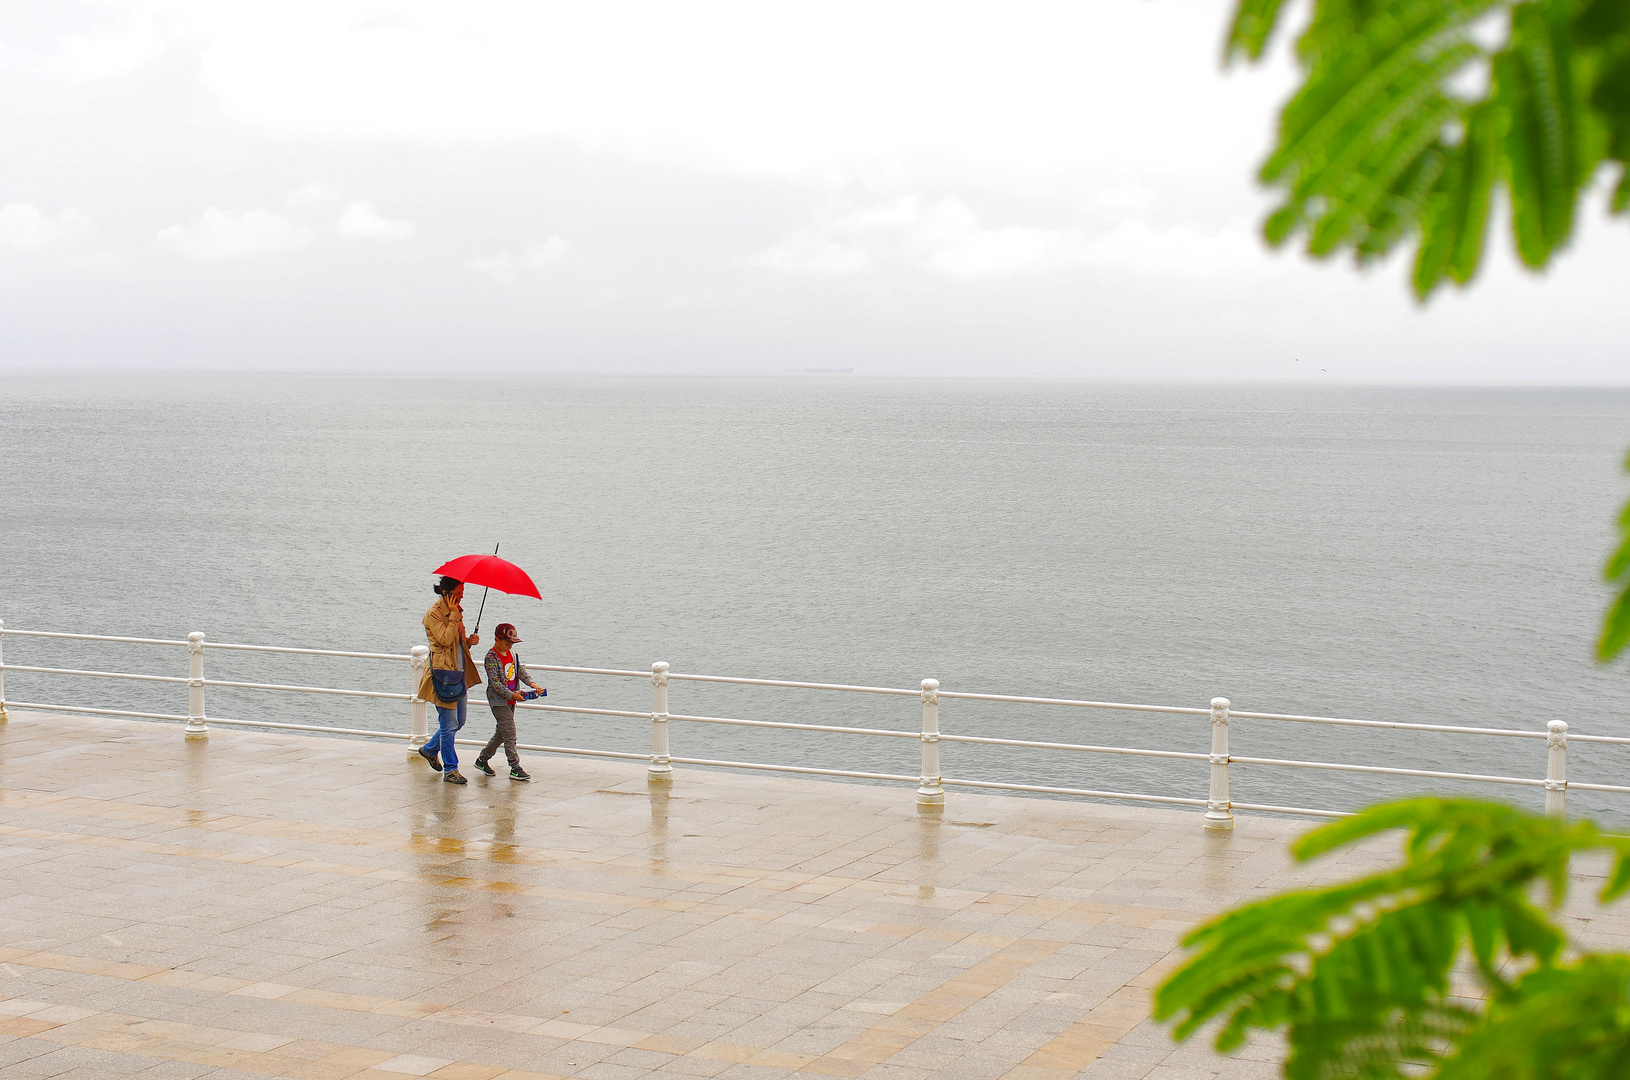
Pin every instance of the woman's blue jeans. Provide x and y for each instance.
(449, 721)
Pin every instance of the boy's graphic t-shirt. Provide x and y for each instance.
(503, 670)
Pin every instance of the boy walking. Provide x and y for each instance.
(505, 674)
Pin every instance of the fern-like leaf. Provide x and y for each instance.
(1570, 1021)
(1379, 144)
(1358, 974)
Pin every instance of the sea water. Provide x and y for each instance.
(1417, 554)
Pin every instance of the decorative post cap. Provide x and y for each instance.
(931, 691)
(195, 641)
(659, 673)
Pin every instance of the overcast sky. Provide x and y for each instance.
(1021, 188)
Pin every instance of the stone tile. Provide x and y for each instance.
(410, 1065)
(278, 905)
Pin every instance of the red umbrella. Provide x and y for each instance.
(493, 573)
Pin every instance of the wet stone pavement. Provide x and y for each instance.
(269, 905)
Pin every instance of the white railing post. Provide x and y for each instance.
(1219, 814)
(2, 673)
(931, 792)
(1556, 769)
(419, 728)
(660, 768)
(196, 728)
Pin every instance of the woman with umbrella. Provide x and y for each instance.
(452, 672)
(452, 669)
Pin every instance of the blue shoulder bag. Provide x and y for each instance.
(448, 685)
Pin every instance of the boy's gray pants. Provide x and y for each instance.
(504, 713)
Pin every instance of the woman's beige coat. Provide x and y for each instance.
(442, 624)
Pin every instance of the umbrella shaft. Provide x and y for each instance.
(485, 590)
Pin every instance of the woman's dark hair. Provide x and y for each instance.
(445, 586)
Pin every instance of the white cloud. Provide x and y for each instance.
(312, 194)
(943, 238)
(898, 91)
(505, 268)
(222, 234)
(1126, 197)
(947, 238)
(24, 228)
(359, 221)
(1182, 250)
(109, 55)
(812, 251)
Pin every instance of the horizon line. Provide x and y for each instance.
(784, 375)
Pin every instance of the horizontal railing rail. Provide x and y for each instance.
(91, 637)
(127, 675)
(930, 783)
(211, 645)
(306, 652)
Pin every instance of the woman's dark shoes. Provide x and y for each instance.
(431, 756)
(454, 777)
(482, 766)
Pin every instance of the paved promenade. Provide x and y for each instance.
(266, 905)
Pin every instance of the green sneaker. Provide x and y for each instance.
(518, 773)
(482, 766)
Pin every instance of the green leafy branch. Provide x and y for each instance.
(1381, 144)
(1447, 965)
(1361, 976)
(1616, 626)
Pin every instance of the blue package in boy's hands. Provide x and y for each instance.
(530, 694)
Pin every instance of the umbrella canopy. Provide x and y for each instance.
(491, 571)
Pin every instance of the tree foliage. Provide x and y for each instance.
(1616, 626)
(1414, 120)
(1409, 120)
(1447, 965)
(1413, 115)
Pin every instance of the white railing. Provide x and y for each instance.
(930, 783)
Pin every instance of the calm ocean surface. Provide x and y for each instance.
(1411, 554)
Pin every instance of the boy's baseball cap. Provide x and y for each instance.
(507, 632)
